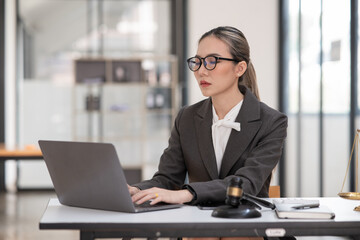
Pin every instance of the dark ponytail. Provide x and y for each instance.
(249, 80)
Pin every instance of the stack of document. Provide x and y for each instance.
(302, 209)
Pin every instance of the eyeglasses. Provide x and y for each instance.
(210, 62)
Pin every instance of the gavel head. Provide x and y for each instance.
(234, 192)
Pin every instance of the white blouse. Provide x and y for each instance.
(221, 130)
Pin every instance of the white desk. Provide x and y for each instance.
(189, 221)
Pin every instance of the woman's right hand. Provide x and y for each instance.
(133, 190)
(156, 195)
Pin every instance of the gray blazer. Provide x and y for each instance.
(251, 153)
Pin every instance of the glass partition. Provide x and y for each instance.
(57, 33)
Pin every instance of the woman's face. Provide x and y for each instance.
(224, 78)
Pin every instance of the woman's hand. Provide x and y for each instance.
(133, 190)
(162, 195)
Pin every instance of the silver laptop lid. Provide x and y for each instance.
(87, 175)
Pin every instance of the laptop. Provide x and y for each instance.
(90, 175)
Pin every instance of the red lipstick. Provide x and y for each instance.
(204, 83)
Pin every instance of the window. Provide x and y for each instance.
(317, 95)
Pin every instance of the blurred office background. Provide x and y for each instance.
(305, 53)
(67, 73)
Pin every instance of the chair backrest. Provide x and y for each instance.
(274, 191)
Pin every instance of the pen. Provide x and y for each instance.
(309, 205)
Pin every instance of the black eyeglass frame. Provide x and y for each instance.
(203, 59)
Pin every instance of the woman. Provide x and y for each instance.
(230, 133)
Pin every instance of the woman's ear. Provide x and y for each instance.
(241, 68)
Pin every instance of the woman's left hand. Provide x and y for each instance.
(162, 195)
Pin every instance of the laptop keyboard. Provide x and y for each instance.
(146, 205)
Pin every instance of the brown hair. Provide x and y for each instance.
(240, 50)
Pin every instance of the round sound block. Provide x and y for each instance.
(243, 211)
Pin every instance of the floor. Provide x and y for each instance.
(20, 214)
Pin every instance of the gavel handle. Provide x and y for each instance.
(259, 201)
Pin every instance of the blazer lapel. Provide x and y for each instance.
(203, 122)
(249, 118)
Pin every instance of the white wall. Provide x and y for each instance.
(258, 20)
